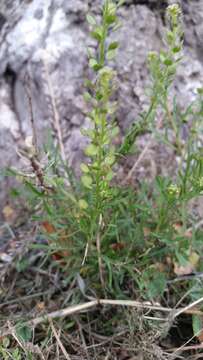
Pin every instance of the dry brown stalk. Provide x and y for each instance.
(29, 97)
(188, 308)
(95, 302)
(56, 118)
(59, 341)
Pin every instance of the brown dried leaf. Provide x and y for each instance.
(183, 270)
(9, 214)
(194, 259)
(48, 227)
(40, 306)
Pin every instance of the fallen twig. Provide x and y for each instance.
(187, 348)
(95, 302)
(59, 341)
(56, 118)
(189, 308)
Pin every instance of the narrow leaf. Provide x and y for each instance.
(111, 54)
(23, 332)
(91, 150)
(87, 181)
(91, 20)
(84, 168)
(114, 45)
(83, 204)
(197, 325)
(92, 63)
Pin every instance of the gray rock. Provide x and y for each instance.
(45, 41)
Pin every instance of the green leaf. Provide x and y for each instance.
(23, 332)
(91, 20)
(6, 341)
(89, 84)
(69, 325)
(200, 91)
(87, 181)
(112, 107)
(157, 285)
(98, 96)
(14, 193)
(115, 131)
(106, 139)
(39, 247)
(87, 96)
(106, 72)
(22, 265)
(90, 52)
(84, 168)
(97, 33)
(10, 172)
(197, 324)
(110, 19)
(111, 8)
(121, 2)
(181, 259)
(163, 56)
(92, 63)
(33, 189)
(176, 49)
(114, 45)
(96, 36)
(111, 54)
(117, 26)
(170, 37)
(87, 132)
(110, 160)
(91, 150)
(17, 356)
(168, 62)
(110, 175)
(83, 204)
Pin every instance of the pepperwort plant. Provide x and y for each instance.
(96, 228)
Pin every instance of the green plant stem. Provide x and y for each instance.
(98, 243)
(184, 215)
(174, 127)
(102, 44)
(99, 198)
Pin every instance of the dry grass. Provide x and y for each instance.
(97, 329)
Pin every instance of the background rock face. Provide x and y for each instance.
(45, 41)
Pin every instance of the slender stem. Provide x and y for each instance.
(99, 199)
(100, 130)
(98, 240)
(184, 215)
(174, 127)
(104, 35)
(100, 140)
